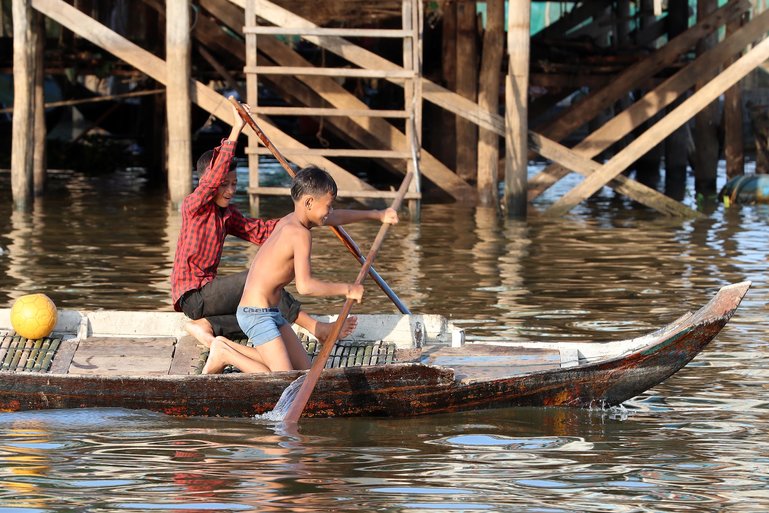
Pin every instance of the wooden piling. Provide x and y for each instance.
(22, 138)
(734, 148)
(39, 152)
(488, 99)
(706, 121)
(178, 99)
(467, 86)
(516, 101)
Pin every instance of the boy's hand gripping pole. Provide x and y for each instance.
(338, 230)
(311, 378)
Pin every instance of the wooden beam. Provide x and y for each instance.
(337, 96)
(205, 97)
(364, 58)
(640, 74)
(622, 184)
(680, 115)
(654, 101)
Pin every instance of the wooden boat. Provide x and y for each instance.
(393, 365)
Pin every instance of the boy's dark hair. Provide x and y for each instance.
(205, 160)
(314, 181)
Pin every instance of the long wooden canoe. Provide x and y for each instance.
(392, 365)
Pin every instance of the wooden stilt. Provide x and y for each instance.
(467, 86)
(39, 153)
(733, 144)
(178, 99)
(706, 121)
(22, 138)
(677, 144)
(516, 101)
(448, 121)
(698, 101)
(488, 99)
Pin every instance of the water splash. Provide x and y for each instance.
(278, 413)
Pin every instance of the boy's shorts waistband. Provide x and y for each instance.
(251, 309)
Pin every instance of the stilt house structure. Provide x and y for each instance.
(463, 92)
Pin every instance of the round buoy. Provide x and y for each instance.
(33, 316)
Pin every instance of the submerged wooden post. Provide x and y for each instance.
(516, 111)
(706, 121)
(734, 149)
(467, 86)
(39, 153)
(488, 99)
(22, 137)
(178, 99)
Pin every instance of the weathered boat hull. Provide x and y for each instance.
(397, 390)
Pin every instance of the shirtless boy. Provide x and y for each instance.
(285, 256)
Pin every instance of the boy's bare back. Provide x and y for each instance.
(275, 262)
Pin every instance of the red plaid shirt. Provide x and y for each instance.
(205, 226)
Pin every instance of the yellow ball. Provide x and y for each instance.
(33, 316)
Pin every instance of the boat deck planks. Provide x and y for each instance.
(187, 357)
(123, 356)
(484, 362)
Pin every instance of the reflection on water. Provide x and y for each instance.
(694, 443)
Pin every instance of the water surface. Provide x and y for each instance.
(697, 442)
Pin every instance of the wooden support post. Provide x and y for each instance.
(412, 59)
(698, 101)
(178, 99)
(448, 122)
(516, 112)
(488, 99)
(706, 121)
(734, 146)
(467, 86)
(677, 144)
(252, 98)
(22, 138)
(39, 153)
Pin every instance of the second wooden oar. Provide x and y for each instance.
(340, 232)
(311, 378)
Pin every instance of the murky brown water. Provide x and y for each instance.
(698, 442)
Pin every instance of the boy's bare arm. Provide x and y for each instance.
(237, 122)
(345, 216)
(306, 285)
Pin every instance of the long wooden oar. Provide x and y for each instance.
(311, 378)
(338, 230)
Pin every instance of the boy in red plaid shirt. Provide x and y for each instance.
(207, 219)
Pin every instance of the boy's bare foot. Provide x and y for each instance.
(202, 331)
(323, 329)
(215, 362)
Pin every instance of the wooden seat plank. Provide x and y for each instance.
(186, 356)
(123, 356)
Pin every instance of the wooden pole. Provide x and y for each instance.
(340, 232)
(178, 99)
(734, 149)
(706, 121)
(488, 99)
(22, 137)
(39, 153)
(467, 86)
(311, 378)
(677, 144)
(516, 107)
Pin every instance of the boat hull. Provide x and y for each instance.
(393, 390)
